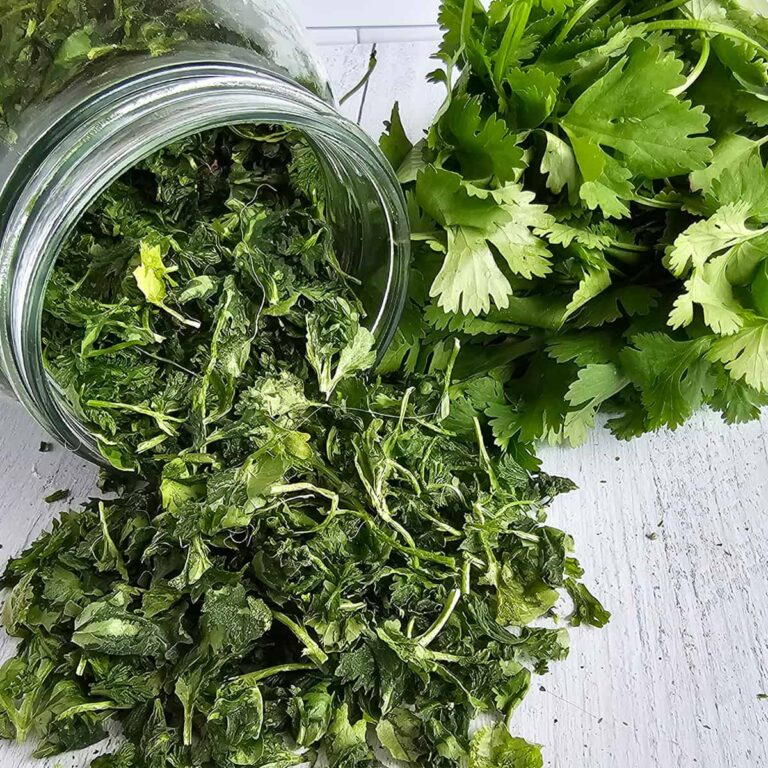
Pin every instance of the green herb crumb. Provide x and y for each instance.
(59, 495)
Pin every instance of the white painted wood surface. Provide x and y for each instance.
(367, 13)
(673, 681)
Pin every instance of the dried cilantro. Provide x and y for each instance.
(362, 567)
(47, 44)
(199, 273)
(316, 558)
(59, 495)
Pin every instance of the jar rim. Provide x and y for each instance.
(110, 133)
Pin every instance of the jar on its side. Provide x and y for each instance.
(112, 95)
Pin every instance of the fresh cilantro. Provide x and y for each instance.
(589, 214)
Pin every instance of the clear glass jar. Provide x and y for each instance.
(108, 83)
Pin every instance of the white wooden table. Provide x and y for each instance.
(673, 681)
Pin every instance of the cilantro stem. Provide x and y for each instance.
(484, 455)
(404, 408)
(713, 27)
(91, 706)
(467, 14)
(518, 19)
(313, 650)
(442, 525)
(280, 490)
(429, 636)
(614, 9)
(167, 361)
(466, 578)
(652, 203)
(262, 674)
(706, 47)
(380, 504)
(670, 6)
(372, 64)
(575, 19)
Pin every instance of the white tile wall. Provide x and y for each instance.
(369, 21)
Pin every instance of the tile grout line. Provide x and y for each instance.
(377, 26)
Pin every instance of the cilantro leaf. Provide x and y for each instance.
(482, 147)
(649, 132)
(470, 278)
(674, 377)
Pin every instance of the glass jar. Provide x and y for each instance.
(98, 85)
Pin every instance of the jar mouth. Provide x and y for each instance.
(107, 134)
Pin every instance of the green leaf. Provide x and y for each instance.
(151, 274)
(232, 620)
(394, 143)
(347, 746)
(109, 627)
(743, 185)
(745, 354)
(595, 385)
(400, 733)
(235, 723)
(605, 184)
(125, 757)
(493, 747)
(616, 303)
(587, 609)
(357, 356)
(470, 279)
(538, 406)
(595, 280)
(483, 147)
(709, 288)
(520, 601)
(674, 377)
(724, 230)
(631, 111)
(730, 151)
(559, 164)
(18, 604)
(25, 689)
(199, 288)
(533, 96)
(197, 564)
(313, 711)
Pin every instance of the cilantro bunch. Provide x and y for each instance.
(589, 214)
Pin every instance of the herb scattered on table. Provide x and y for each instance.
(315, 558)
(589, 214)
(59, 495)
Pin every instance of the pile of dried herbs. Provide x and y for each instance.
(320, 563)
(47, 44)
(201, 275)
